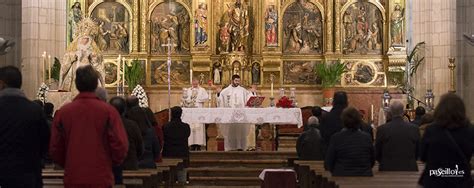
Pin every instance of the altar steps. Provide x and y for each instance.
(240, 168)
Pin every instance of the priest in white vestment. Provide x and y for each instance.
(234, 96)
(251, 140)
(198, 96)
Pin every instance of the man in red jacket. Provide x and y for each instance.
(88, 137)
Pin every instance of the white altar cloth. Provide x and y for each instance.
(243, 115)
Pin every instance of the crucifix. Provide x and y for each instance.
(168, 62)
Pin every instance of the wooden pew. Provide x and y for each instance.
(312, 174)
(173, 165)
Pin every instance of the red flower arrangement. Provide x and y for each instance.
(285, 102)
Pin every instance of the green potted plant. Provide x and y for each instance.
(330, 75)
(133, 74)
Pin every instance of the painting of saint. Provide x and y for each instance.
(303, 29)
(300, 72)
(179, 72)
(362, 33)
(114, 28)
(200, 25)
(271, 26)
(75, 15)
(364, 73)
(172, 23)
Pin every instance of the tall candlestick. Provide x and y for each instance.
(49, 67)
(123, 65)
(271, 89)
(42, 65)
(372, 113)
(191, 76)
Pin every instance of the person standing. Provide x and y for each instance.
(447, 145)
(397, 142)
(198, 96)
(234, 96)
(88, 136)
(331, 123)
(24, 134)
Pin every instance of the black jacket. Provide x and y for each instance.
(308, 145)
(139, 115)
(152, 149)
(438, 152)
(135, 145)
(24, 139)
(330, 124)
(176, 135)
(396, 146)
(350, 153)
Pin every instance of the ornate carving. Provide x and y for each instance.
(234, 28)
(180, 73)
(300, 72)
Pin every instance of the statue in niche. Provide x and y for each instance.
(236, 19)
(256, 73)
(113, 20)
(82, 51)
(172, 23)
(200, 24)
(75, 15)
(362, 33)
(217, 72)
(303, 28)
(396, 24)
(271, 26)
(236, 68)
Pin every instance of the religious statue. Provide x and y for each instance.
(217, 73)
(103, 38)
(236, 68)
(82, 51)
(348, 25)
(374, 41)
(75, 15)
(183, 31)
(295, 41)
(271, 26)
(236, 18)
(255, 73)
(397, 25)
(200, 24)
(224, 37)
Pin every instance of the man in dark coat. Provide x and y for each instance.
(135, 140)
(397, 142)
(331, 123)
(24, 134)
(88, 137)
(419, 112)
(308, 145)
(176, 139)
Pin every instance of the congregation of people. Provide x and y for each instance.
(442, 139)
(91, 138)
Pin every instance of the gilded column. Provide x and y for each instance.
(338, 25)
(329, 26)
(143, 24)
(135, 27)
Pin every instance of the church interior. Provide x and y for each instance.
(376, 51)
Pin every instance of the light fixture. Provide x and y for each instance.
(429, 99)
(386, 99)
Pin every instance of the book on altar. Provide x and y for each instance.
(255, 101)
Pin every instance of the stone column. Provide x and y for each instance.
(10, 29)
(328, 27)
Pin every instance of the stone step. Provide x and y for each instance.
(225, 181)
(224, 172)
(256, 163)
(241, 155)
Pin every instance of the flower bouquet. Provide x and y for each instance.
(285, 102)
(42, 92)
(140, 93)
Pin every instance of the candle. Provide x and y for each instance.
(49, 67)
(372, 113)
(42, 65)
(191, 76)
(271, 89)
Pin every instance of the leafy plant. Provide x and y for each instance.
(415, 59)
(331, 73)
(133, 74)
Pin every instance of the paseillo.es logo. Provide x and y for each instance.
(447, 172)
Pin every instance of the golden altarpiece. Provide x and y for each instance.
(256, 39)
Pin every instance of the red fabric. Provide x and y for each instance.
(159, 134)
(87, 138)
(86, 186)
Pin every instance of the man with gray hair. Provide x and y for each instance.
(308, 145)
(396, 144)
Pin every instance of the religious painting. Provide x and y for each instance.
(234, 28)
(217, 73)
(200, 25)
(114, 27)
(364, 73)
(111, 73)
(300, 72)
(362, 33)
(170, 21)
(303, 29)
(74, 16)
(396, 26)
(255, 73)
(271, 26)
(180, 73)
